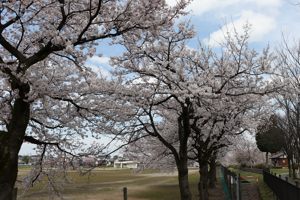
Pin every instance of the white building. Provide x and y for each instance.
(130, 164)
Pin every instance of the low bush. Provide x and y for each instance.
(260, 166)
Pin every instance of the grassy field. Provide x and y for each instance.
(280, 170)
(103, 184)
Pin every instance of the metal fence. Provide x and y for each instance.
(282, 189)
(232, 183)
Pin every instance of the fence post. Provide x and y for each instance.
(229, 186)
(125, 193)
(238, 195)
(286, 189)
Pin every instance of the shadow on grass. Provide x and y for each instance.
(166, 192)
(167, 189)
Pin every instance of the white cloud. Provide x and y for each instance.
(171, 2)
(203, 6)
(261, 25)
(99, 60)
(200, 7)
(265, 3)
(100, 71)
(150, 80)
(99, 65)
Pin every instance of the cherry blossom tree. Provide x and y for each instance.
(229, 118)
(200, 94)
(235, 92)
(288, 100)
(47, 97)
(151, 154)
(244, 152)
(152, 73)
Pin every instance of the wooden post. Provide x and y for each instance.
(125, 193)
(287, 179)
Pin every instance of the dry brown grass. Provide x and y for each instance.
(108, 185)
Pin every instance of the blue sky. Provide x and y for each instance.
(269, 20)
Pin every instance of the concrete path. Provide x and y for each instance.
(249, 191)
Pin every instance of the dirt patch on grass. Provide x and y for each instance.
(216, 193)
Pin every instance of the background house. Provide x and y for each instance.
(130, 164)
(279, 159)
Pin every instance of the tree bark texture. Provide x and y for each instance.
(183, 173)
(267, 159)
(289, 165)
(293, 168)
(212, 174)
(203, 183)
(184, 131)
(181, 155)
(183, 178)
(10, 144)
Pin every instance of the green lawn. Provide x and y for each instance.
(284, 170)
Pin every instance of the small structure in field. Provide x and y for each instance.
(279, 159)
(130, 164)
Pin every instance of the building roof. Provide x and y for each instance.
(126, 161)
(278, 155)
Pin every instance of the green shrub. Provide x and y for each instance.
(260, 166)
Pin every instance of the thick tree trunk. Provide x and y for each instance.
(10, 144)
(293, 168)
(183, 178)
(297, 160)
(203, 183)
(181, 159)
(289, 165)
(183, 172)
(267, 159)
(212, 174)
(184, 131)
(9, 170)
